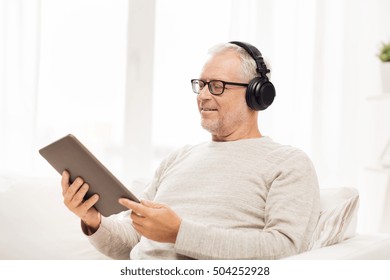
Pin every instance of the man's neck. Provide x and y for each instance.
(237, 135)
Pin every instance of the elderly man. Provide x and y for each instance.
(239, 196)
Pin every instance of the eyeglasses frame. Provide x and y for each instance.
(223, 82)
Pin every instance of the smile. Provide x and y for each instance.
(208, 110)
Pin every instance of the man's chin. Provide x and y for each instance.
(212, 127)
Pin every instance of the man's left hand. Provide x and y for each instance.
(155, 221)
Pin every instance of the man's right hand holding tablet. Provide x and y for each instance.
(74, 199)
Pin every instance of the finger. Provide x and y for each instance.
(79, 195)
(151, 204)
(138, 228)
(137, 218)
(65, 181)
(134, 206)
(90, 202)
(74, 187)
(127, 203)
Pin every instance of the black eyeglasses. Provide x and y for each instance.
(216, 87)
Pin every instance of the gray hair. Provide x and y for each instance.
(248, 63)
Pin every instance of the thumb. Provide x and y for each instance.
(151, 204)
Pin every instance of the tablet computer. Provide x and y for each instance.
(70, 154)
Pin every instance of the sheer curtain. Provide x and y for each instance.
(19, 70)
(83, 76)
(63, 70)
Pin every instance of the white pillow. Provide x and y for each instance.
(338, 216)
(35, 223)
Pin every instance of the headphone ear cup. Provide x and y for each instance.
(260, 94)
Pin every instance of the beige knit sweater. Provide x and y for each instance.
(246, 199)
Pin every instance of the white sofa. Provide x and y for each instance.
(35, 224)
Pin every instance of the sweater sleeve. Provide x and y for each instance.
(115, 237)
(291, 213)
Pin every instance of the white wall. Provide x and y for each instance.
(366, 114)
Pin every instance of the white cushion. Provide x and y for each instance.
(360, 247)
(35, 224)
(338, 216)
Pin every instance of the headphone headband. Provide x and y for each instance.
(261, 68)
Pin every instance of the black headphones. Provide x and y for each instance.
(260, 92)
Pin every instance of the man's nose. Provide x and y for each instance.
(205, 93)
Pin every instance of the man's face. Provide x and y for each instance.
(225, 114)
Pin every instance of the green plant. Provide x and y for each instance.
(384, 54)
